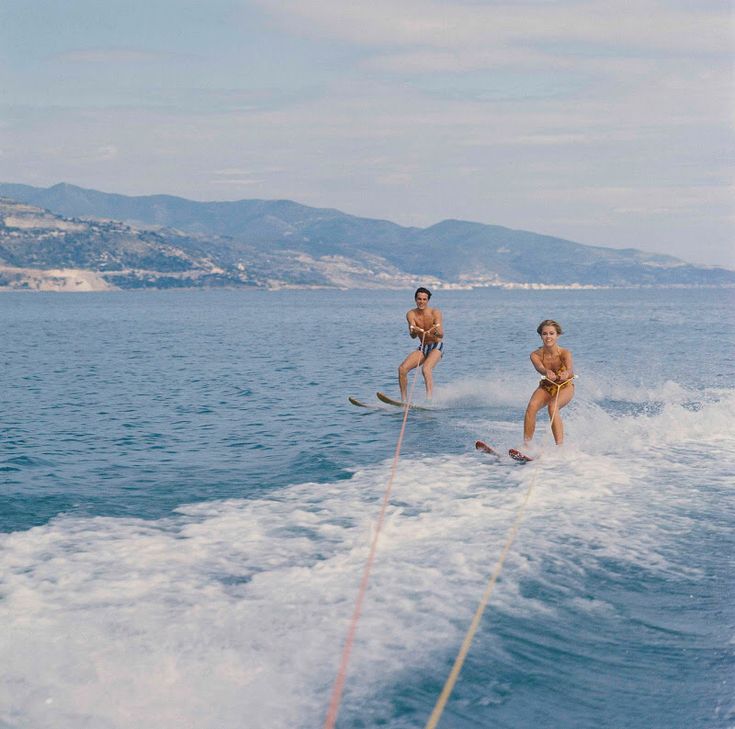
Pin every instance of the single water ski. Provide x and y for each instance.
(397, 403)
(516, 455)
(389, 400)
(359, 403)
(485, 448)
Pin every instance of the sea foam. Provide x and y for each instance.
(232, 613)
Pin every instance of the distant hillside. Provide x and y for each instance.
(41, 250)
(34, 239)
(277, 243)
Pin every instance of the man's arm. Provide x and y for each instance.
(413, 330)
(438, 329)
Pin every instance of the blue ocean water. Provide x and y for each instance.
(187, 500)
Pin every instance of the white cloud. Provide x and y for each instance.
(596, 122)
(105, 153)
(237, 182)
(110, 55)
(642, 199)
(644, 25)
(398, 179)
(230, 171)
(244, 172)
(458, 60)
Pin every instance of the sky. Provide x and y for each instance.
(607, 122)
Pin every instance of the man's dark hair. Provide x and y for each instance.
(421, 290)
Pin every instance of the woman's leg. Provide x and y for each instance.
(556, 404)
(539, 398)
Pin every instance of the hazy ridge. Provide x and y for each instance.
(164, 241)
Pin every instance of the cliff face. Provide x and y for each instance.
(52, 279)
(164, 241)
(40, 250)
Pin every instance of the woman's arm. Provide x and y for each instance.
(539, 367)
(567, 370)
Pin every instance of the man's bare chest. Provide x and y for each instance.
(425, 319)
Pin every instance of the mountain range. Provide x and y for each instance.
(117, 241)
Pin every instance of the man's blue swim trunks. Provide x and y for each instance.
(431, 347)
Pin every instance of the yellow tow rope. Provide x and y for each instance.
(475, 624)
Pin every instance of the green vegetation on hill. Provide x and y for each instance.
(167, 241)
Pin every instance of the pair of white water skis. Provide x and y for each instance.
(516, 455)
(388, 401)
(480, 445)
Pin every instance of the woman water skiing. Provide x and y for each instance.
(556, 388)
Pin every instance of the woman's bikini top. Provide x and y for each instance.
(562, 364)
(554, 387)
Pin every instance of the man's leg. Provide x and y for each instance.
(411, 362)
(428, 370)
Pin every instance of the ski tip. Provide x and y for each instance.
(389, 400)
(516, 455)
(399, 403)
(480, 445)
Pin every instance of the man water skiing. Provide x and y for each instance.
(424, 324)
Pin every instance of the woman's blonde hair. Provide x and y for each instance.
(549, 323)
